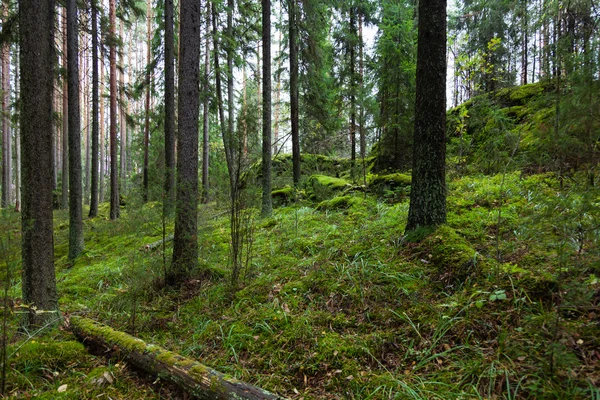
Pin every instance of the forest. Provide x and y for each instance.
(300, 199)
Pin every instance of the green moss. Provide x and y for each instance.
(453, 260)
(282, 196)
(39, 354)
(321, 187)
(338, 203)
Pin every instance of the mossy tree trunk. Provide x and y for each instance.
(428, 191)
(194, 378)
(36, 23)
(185, 248)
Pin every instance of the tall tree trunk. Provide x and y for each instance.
(75, 193)
(17, 131)
(230, 105)
(36, 27)
(352, 92)
(169, 187)
(6, 134)
(428, 190)
(185, 242)
(147, 112)
(101, 126)
(205, 114)
(267, 203)
(85, 89)
(95, 124)
(293, 37)
(123, 118)
(64, 202)
(114, 166)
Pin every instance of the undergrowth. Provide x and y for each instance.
(337, 304)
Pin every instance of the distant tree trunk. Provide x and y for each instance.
(267, 204)
(101, 125)
(85, 91)
(185, 244)
(224, 134)
(123, 119)
(36, 26)
(75, 193)
(352, 92)
(17, 131)
(293, 37)
(428, 190)
(205, 113)
(64, 202)
(169, 187)
(95, 124)
(6, 134)
(147, 112)
(114, 166)
(525, 42)
(230, 105)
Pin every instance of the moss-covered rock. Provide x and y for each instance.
(338, 203)
(394, 185)
(322, 187)
(282, 196)
(37, 355)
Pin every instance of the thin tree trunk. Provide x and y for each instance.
(6, 134)
(85, 89)
(95, 123)
(65, 129)
(123, 119)
(293, 37)
(147, 112)
(17, 141)
(114, 173)
(267, 202)
(352, 94)
(205, 114)
(75, 192)
(101, 125)
(169, 186)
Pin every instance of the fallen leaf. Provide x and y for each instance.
(580, 342)
(349, 377)
(62, 388)
(108, 377)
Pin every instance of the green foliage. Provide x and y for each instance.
(321, 187)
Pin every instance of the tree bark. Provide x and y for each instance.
(115, 210)
(428, 191)
(293, 37)
(123, 118)
(101, 126)
(169, 186)
(147, 112)
(64, 202)
(75, 193)
(6, 134)
(267, 203)
(17, 142)
(196, 379)
(95, 123)
(185, 247)
(36, 28)
(205, 114)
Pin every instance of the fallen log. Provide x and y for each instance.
(158, 243)
(192, 377)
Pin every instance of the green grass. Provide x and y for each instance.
(336, 302)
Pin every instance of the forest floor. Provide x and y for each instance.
(335, 303)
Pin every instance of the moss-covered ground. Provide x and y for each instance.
(336, 303)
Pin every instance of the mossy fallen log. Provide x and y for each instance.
(192, 377)
(158, 243)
